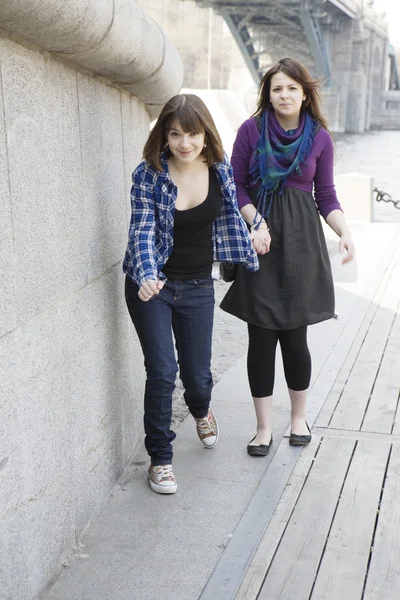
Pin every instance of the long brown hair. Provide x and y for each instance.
(297, 71)
(192, 115)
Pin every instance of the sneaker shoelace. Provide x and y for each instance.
(164, 472)
(204, 425)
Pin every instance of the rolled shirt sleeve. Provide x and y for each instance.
(141, 231)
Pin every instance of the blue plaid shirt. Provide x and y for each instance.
(151, 231)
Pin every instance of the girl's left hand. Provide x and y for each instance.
(346, 243)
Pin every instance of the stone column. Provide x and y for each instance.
(336, 99)
(357, 104)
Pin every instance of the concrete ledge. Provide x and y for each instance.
(111, 38)
(354, 191)
(388, 115)
(386, 122)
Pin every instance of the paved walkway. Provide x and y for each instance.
(297, 524)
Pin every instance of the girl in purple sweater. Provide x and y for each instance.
(280, 154)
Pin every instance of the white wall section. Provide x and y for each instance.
(71, 369)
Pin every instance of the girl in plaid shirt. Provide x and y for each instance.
(184, 216)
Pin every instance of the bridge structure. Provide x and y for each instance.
(344, 42)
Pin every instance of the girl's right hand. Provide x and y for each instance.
(261, 239)
(149, 289)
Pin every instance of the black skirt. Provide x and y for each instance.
(294, 285)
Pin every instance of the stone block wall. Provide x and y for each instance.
(387, 114)
(71, 374)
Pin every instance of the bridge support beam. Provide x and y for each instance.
(344, 42)
(244, 42)
(316, 41)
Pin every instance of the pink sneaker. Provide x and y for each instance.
(207, 429)
(162, 479)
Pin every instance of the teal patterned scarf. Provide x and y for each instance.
(278, 154)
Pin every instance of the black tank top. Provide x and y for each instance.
(192, 253)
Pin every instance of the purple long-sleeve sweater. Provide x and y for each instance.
(317, 170)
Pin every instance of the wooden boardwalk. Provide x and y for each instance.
(335, 532)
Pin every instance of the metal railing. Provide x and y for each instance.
(385, 197)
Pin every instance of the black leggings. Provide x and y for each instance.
(261, 359)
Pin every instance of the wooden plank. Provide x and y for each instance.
(383, 404)
(394, 357)
(360, 321)
(383, 438)
(383, 580)
(353, 402)
(345, 560)
(295, 563)
(320, 406)
(336, 391)
(255, 574)
(352, 405)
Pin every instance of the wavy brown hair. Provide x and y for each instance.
(294, 69)
(192, 115)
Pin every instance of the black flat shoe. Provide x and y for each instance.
(300, 440)
(261, 450)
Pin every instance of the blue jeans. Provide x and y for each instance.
(186, 308)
